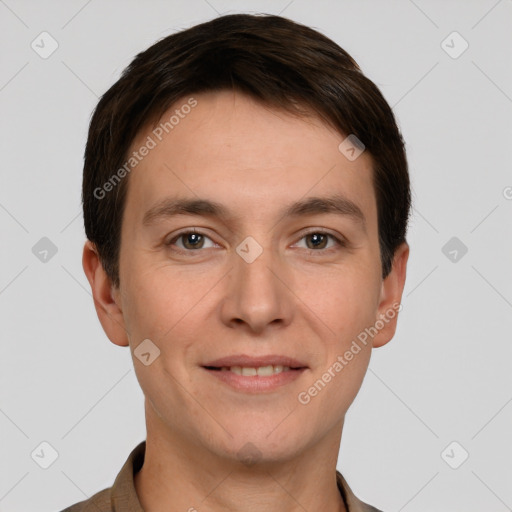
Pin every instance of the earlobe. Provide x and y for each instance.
(107, 307)
(390, 298)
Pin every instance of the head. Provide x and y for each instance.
(237, 130)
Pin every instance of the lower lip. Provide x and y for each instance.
(256, 384)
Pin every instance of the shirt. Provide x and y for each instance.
(122, 496)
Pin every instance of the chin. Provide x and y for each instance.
(259, 444)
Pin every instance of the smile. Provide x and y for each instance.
(261, 371)
(260, 379)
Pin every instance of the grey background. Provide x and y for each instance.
(447, 374)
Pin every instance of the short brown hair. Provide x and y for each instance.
(277, 61)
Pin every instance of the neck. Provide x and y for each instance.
(178, 475)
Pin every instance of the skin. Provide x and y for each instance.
(208, 303)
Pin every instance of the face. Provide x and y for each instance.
(226, 261)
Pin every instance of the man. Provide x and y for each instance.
(246, 199)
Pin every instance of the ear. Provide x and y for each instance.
(390, 297)
(106, 298)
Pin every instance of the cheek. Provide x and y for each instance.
(345, 308)
(344, 300)
(171, 310)
(159, 300)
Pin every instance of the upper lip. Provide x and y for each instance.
(255, 362)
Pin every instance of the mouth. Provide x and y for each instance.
(255, 374)
(254, 371)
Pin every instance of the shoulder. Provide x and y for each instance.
(121, 496)
(352, 502)
(364, 507)
(99, 502)
(369, 508)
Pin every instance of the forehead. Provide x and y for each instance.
(232, 149)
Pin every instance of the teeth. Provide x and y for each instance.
(262, 371)
(265, 371)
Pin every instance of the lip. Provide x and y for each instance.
(254, 362)
(255, 384)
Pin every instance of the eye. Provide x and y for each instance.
(191, 240)
(318, 241)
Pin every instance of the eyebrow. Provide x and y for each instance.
(336, 204)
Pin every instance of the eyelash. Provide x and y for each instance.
(340, 242)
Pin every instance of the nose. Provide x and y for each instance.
(258, 296)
